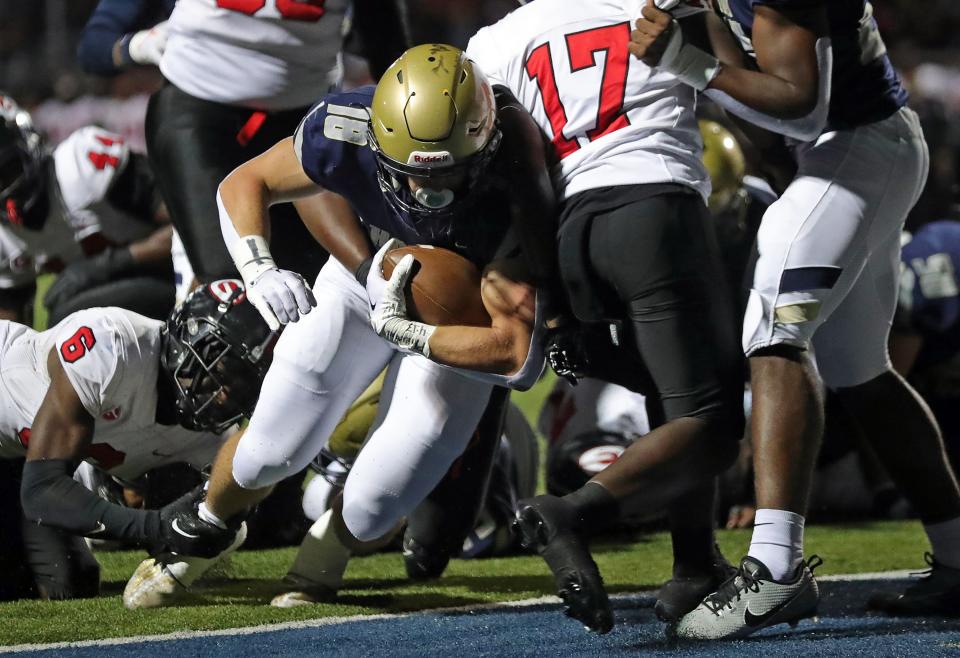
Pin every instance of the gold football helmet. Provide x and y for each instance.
(434, 119)
(726, 165)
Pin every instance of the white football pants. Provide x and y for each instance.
(830, 247)
(321, 364)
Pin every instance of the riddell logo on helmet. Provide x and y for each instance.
(224, 289)
(428, 157)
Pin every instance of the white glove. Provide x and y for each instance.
(389, 318)
(281, 296)
(375, 283)
(146, 46)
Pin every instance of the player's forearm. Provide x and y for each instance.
(49, 495)
(243, 202)
(153, 249)
(766, 93)
(333, 223)
(486, 349)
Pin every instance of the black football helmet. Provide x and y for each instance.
(22, 182)
(215, 351)
(571, 463)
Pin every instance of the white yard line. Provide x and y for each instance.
(328, 621)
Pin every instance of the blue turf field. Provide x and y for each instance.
(844, 628)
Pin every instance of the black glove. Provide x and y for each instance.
(566, 352)
(88, 273)
(183, 532)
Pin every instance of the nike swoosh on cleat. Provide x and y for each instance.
(753, 620)
(96, 531)
(177, 529)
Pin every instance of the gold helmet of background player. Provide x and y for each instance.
(726, 165)
(433, 116)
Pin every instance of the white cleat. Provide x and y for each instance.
(752, 600)
(303, 592)
(166, 580)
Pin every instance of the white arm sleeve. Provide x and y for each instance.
(805, 128)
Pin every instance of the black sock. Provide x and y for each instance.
(693, 550)
(596, 507)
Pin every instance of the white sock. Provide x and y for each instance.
(206, 515)
(322, 558)
(778, 541)
(945, 540)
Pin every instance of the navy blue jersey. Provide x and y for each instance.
(930, 291)
(331, 143)
(865, 88)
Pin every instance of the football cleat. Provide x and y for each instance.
(166, 579)
(752, 600)
(548, 525)
(681, 594)
(937, 593)
(303, 592)
(421, 562)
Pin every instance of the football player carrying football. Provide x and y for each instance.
(825, 278)
(638, 250)
(88, 210)
(431, 156)
(127, 394)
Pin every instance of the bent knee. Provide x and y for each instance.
(257, 469)
(370, 517)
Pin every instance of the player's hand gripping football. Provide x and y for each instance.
(390, 319)
(281, 296)
(374, 281)
(183, 532)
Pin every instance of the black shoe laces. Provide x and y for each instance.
(731, 590)
(741, 583)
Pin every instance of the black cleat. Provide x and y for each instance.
(936, 594)
(681, 594)
(548, 524)
(421, 562)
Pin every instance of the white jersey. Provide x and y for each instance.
(112, 358)
(263, 54)
(85, 167)
(612, 119)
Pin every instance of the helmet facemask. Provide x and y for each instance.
(427, 203)
(433, 130)
(22, 183)
(215, 375)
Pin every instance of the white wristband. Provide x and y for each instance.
(251, 255)
(691, 65)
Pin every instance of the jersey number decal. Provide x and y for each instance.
(101, 160)
(75, 348)
(582, 49)
(295, 10)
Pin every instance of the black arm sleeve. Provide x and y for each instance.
(135, 190)
(49, 495)
(382, 30)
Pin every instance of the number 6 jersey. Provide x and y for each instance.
(112, 358)
(612, 119)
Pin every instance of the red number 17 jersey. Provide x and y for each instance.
(612, 119)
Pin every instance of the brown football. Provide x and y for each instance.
(445, 289)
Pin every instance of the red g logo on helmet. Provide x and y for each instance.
(224, 289)
(596, 459)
